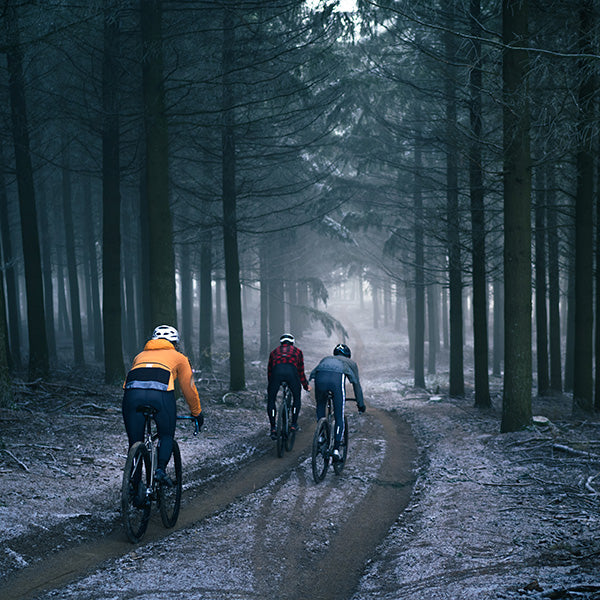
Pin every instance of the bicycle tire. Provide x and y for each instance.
(135, 505)
(320, 450)
(338, 465)
(282, 427)
(169, 497)
(291, 434)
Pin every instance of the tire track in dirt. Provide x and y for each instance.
(60, 568)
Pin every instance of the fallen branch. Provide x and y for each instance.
(588, 484)
(575, 452)
(21, 464)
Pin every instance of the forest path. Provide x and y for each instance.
(268, 529)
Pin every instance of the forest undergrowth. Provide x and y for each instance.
(491, 516)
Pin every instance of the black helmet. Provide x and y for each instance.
(343, 350)
(287, 338)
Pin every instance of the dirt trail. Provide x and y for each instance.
(322, 541)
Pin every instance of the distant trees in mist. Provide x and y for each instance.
(163, 160)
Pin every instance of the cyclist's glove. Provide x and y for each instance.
(362, 408)
(200, 420)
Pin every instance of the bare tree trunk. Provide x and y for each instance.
(71, 260)
(38, 345)
(111, 201)
(232, 265)
(553, 287)
(541, 314)
(264, 297)
(419, 339)
(96, 314)
(516, 404)
(163, 309)
(206, 312)
(13, 334)
(480, 327)
(583, 389)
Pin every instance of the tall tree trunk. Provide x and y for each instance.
(516, 404)
(6, 396)
(541, 315)
(480, 313)
(419, 339)
(206, 312)
(230, 243)
(498, 332)
(111, 200)
(432, 328)
(38, 344)
(264, 297)
(13, 336)
(597, 311)
(553, 286)
(456, 375)
(71, 260)
(187, 300)
(276, 309)
(96, 315)
(570, 338)
(163, 309)
(583, 393)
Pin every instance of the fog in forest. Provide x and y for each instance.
(234, 168)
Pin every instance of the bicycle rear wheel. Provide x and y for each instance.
(169, 497)
(135, 504)
(320, 450)
(282, 429)
(338, 465)
(291, 434)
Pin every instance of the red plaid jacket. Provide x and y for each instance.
(288, 353)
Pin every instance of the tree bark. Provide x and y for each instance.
(111, 202)
(38, 344)
(553, 286)
(13, 334)
(230, 243)
(480, 327)
(419, 339)
(71, 260)
(206, 312)
(583, 394)
(541, 313)
(163, 308)
(516, 404)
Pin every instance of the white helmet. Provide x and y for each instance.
(166, 332)
(287, 338)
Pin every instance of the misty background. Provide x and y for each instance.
(231, 165)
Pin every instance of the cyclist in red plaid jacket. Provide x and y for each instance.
(286, 363)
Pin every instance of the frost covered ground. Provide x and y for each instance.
(490, 516)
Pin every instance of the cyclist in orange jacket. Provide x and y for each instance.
(151, 381)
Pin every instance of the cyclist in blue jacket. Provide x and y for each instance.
(330, 376)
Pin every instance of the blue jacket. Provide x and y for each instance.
(346, 366)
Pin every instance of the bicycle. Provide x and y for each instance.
(285, 435)
(322, 446)
(140, 488)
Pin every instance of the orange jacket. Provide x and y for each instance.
(158, 366)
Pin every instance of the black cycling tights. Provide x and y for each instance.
(165, 418)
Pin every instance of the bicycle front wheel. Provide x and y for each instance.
(169, 496)
(320, 450)
(135, 503)
(338, 465)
